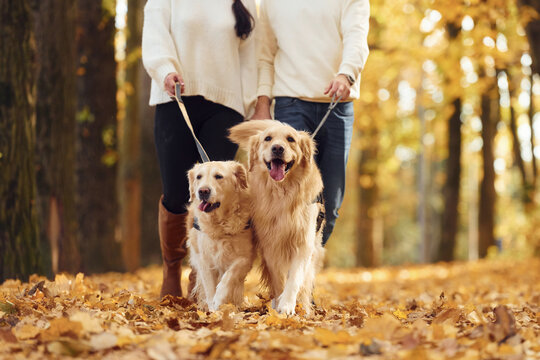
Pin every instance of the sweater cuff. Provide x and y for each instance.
(162, 72)
(350, 70)
(264, 90)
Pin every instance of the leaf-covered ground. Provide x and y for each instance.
(482, 310)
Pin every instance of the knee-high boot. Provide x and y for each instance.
(172, 238)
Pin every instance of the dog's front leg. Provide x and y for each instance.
(208, 281)
(295, 279)
(231, 286)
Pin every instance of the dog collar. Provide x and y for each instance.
(197, 227)
(196, 224)
(322, 215)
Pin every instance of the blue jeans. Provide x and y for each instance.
(333, 143)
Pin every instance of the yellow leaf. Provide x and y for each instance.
(62, 327)
(400, 314)
(25, 331)
(200, 348)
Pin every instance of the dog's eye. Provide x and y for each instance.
(290, 139)
(199, 177)
(218, 176)
(268, 138)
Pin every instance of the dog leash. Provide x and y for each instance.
(330, 108)
(178, 97)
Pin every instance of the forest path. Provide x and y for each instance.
(479, 310)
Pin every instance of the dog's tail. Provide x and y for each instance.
(241, 133)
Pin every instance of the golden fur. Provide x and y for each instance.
(222, 251)
(284, 210)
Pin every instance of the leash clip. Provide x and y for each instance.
(178, 91)
(331, 107)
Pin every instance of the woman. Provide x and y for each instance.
(208, 47)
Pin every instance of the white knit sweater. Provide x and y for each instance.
(196, 39)
(306, 43)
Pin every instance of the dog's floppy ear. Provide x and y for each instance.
(191, 179)
(241, 175)
(307, 146)
(241, 133)
(253, 152)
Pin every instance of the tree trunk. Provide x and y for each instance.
(450, 216)
(518, 159)
(97, 156)
(19, 242)
(151, 181)
(533, 34)
(486, 214)
(130, 143)
(55, 131)
(368, 195)
(532, 137)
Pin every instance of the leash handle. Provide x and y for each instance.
(180, 102)
(331, 107)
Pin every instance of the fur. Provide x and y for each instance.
(222, 251)
(284, 211)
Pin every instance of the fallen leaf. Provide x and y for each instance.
(90, 323)
(103, 341)
(161, 351)
(7, 336)
(371, 348)
(61, 327)
(25, 331)
(504, 325)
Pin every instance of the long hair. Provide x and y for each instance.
(244, 20)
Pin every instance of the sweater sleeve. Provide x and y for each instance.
(248, 64)
(267, 51)
(158, 50)
(354, 27)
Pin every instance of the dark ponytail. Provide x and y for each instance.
(244, 20)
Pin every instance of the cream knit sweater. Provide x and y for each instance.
(196, 39)
(306, 43)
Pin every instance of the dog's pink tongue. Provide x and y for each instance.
(203, 205)
(277, 171)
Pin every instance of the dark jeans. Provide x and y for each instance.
(176, 148)
(333, 143)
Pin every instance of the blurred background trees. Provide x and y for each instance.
(443, 164)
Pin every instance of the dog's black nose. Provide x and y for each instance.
(204, 193)
(277, 150)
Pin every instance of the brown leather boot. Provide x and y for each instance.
(172, 238)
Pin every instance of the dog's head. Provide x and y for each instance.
(276, 146)
(213, 183)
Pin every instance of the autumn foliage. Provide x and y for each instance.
(488, 310)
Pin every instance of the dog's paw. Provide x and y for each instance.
(286, 307)
(213, 305)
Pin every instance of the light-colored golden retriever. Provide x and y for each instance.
(285, 184)
(219, 232)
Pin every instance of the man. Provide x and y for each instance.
(310, 52)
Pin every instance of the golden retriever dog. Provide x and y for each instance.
(285, 184)
(219, 232)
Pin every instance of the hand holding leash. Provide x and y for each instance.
(339, 86)
(170, 80)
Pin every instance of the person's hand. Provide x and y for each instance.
(262, 109)
(339, 86)
(172, 79)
